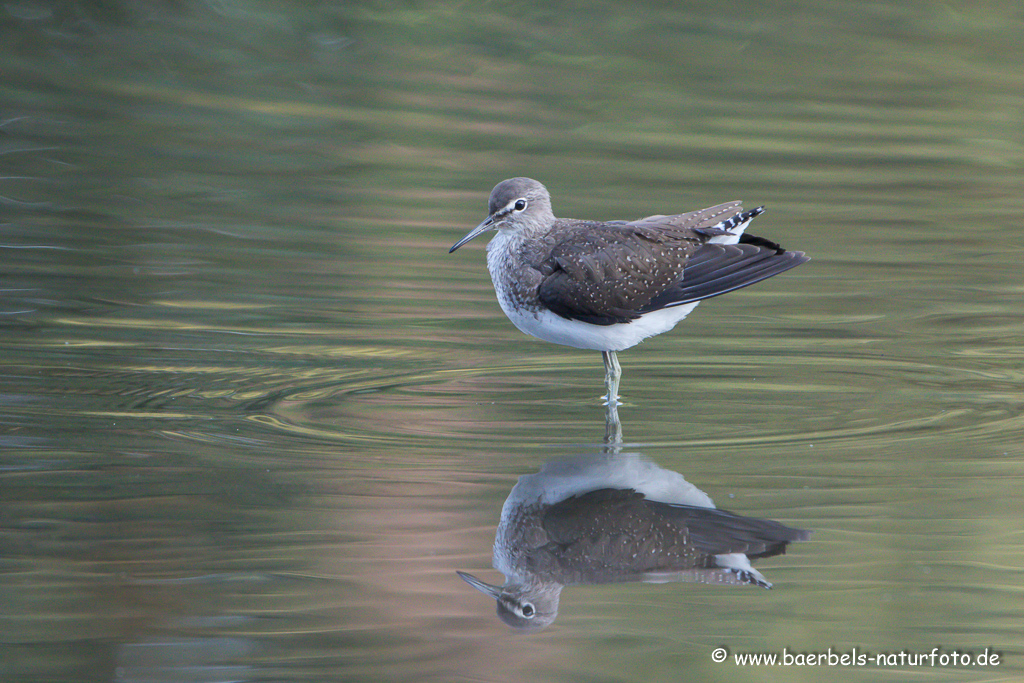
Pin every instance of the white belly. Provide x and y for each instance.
(546, 325)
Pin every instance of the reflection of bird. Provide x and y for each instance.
(612, 519)
(607, 286)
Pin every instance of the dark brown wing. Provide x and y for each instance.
(720, 268)
(608, 273)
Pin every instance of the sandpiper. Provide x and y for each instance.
(617, 517)
(609, 285)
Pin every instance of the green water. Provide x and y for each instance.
(254, 416)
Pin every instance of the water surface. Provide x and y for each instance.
(255, 417)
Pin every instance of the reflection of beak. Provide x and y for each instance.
(485, 588)
(488, 224)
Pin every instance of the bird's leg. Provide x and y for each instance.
(612, 427)
(612, 373)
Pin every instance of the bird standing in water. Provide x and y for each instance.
(607, 286)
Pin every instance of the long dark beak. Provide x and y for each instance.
(485, 588)
(488, 224)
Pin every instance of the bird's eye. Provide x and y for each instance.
(528, 610)
(520, 205)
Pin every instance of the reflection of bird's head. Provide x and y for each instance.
(528, 608)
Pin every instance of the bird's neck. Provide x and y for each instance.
(513, 260)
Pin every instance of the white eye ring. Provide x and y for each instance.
(520, 205)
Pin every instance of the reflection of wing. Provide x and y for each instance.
(607, 273)
(618, 535)
(719, 532)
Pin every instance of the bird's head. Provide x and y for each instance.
(523, 607)
(516, 205)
